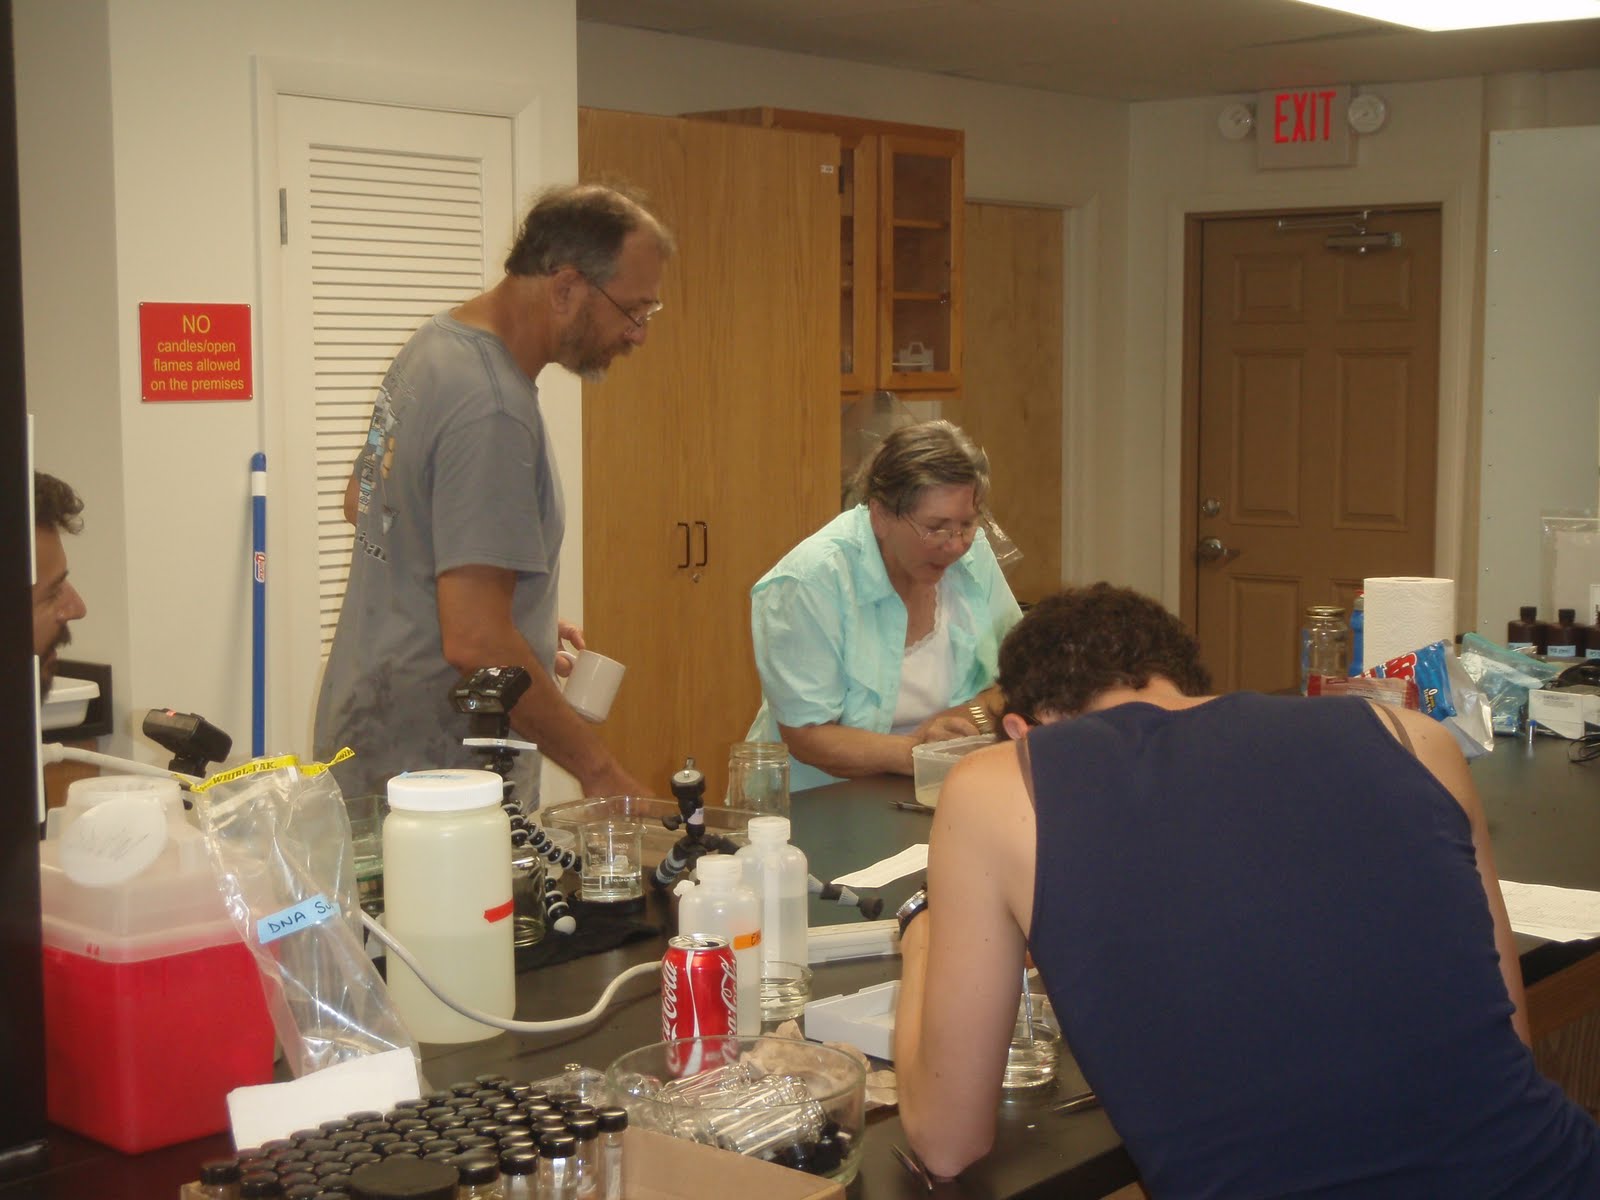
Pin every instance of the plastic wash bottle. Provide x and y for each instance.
(776, 872)
(722, 906)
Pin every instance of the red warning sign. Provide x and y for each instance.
(195, 352)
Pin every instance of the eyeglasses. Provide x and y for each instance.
(647, 310)
(943, 535)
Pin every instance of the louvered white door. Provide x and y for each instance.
(389, 215)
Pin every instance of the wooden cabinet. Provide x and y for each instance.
(714, 448)
(902, 189)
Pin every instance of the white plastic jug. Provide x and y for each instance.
(447, 899)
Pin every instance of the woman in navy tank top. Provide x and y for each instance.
(1271, 927)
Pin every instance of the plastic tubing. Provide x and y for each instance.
(52, 752)
(560, 1025)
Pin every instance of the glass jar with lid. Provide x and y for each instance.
(1324, 645)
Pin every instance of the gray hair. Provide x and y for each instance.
(582, 226)
(913, 457)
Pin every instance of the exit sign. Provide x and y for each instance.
(1304, 127)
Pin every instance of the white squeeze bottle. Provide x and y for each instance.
(776, 872)
(447, 899)
(722, 906)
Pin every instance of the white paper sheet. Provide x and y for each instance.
(908, 862)
(274, 1110)
(1555, 913)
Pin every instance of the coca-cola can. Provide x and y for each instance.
(699, 999)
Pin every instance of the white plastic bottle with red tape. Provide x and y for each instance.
(447, 899)
(721, 905)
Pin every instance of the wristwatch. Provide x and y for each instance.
(981, 718)
(907, 912)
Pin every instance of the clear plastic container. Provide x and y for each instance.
(931, 762)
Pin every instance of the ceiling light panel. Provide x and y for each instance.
(1438, 15)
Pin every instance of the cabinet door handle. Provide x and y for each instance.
(705, 543)
(684, 525)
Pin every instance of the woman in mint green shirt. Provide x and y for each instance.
(882, 630)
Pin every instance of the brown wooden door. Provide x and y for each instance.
(1010, 401)
(715, 448)
(1317, 409)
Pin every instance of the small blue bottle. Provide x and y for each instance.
(1358, 621)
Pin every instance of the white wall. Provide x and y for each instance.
(69, 273)
(171, 213)
(1541, 372)
(1022, 146)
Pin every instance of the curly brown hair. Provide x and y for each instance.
(1074, 645)
(55, 504)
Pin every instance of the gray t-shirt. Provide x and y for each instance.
(457, 471)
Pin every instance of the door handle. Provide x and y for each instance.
(684, 525)
(1212, 550)
(705, 543)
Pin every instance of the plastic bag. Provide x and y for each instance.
(1504, 677)
(279, 840)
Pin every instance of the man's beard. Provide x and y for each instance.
(48, 662)
(578, 354)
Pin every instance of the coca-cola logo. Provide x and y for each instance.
(669, 998)
(730, 987)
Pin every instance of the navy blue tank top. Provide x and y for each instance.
(1261, 923)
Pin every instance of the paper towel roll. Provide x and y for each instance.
(1403, 613)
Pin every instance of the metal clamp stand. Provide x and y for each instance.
(487, 696)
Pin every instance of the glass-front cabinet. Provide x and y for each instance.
(902, 192)
(920, 194)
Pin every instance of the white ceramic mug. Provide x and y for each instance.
(593, 683)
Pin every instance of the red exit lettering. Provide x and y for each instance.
(1302, 117)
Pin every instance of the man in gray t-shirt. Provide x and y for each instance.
(458, 508)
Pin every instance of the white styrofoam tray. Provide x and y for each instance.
(67, 702)
(864, 1019)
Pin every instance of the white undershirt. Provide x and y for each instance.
(925, 673)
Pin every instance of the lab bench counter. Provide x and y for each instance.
(1543, 811)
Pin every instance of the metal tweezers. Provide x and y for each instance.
(1077, 1103)
(918, 1171)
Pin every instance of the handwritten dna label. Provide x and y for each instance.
(305, 915)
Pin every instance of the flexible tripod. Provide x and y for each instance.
(487, 696)
(689, 790)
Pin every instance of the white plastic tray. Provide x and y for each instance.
(864, 1019)
(67, 702)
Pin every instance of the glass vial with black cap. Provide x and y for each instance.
(404, 1177)
(219, 1179)
(519, 1174)
(613, 1174)
(558, 1167)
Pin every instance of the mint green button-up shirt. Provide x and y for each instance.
(830, 634)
